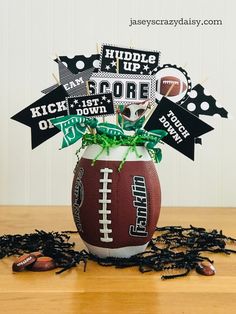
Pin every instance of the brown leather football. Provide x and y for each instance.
(116, 212)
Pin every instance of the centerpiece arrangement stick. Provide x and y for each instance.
(88, 93)
(98, 52)
(97, 48)
(154, 107)
(56, 79)
(117, 108)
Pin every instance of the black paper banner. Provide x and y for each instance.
(200, 102)
(37, 116)
(49, 89)
(126, 88)
(172, 82)
(81, 63)
(182, 126)
(130, 61)
(91, 106)
(74, 84)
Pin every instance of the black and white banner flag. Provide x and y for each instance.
(126, 88)
(182, 126)
(91, 106)
(74, 84)
(200, 102)
(81, 63)
(37, 115)
(130, 61)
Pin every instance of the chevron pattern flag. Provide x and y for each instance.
(72, 126)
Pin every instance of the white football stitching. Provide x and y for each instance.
(105, 211)
(171, 82)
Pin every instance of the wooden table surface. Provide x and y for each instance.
(109, 290)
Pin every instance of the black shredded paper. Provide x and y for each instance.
(174, 250)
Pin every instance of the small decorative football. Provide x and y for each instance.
(171, 86)
(116, 212)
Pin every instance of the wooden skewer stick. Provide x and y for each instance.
(117, 71)
(123, 121)
(204, 81)
(117, 122)
(154, 107)
(56, 79)
(149, 115)
(98, 52)
(88, 93)
(87, 88)
(117, 65)
(57, 57)
(53, 74)
(98, 48)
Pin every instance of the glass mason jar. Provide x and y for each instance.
(116, 212)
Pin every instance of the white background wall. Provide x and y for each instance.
(32, 31)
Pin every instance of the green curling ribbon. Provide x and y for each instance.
(141, 138)
(152, 138)
(108, 135)
(107, 142)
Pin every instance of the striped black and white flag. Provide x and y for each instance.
(74, 84)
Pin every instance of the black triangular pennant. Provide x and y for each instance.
(38, 114)
(74, 84)
(182, 126)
